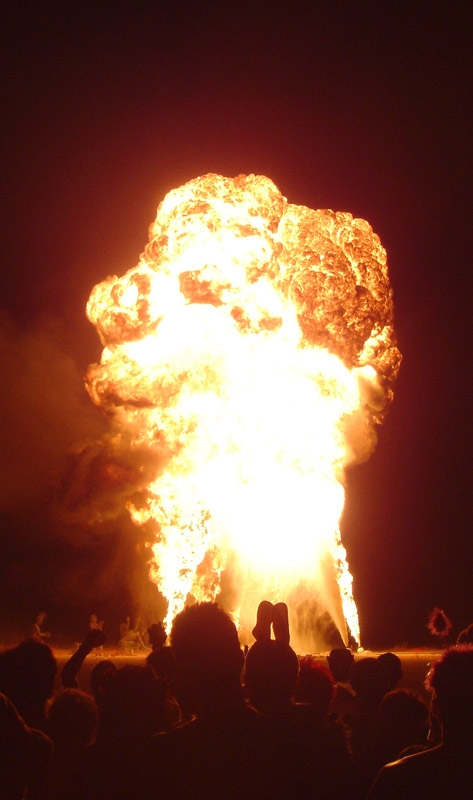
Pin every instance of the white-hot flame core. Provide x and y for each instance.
(222, 362)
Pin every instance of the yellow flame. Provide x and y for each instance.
(251, 352)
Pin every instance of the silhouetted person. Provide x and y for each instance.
(95, 624)
(161, 662)
(404, 723)
(270, 675)
(340, 661)
(161, 658)
(99, 678)
(36, 631)
(27, 674)
(24, 755)
(272, 678)
(157, 635)
(369, 682)
(315, 687)
(132, 708)
(332, 768)
(344, 705)
(71, 723)
(227, 750)
(393, 666)
(446, 770)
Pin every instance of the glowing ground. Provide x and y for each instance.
(415, 664)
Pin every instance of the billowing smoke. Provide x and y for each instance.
(45, 413)
(247, 360)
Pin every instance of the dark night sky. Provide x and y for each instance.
(360, 107)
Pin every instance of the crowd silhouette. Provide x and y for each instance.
(202, 717)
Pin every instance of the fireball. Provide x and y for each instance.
(248, 359)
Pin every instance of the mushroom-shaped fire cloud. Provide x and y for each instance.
(250, 355)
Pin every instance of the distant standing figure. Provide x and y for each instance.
(36, 628)
(124, 629)
(94, 624)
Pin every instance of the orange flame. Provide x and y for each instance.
(250, 354)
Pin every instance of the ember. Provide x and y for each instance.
(248, 358)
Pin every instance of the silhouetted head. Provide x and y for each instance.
(393, 666)
(132, 703)
(99, 676)
(271, 670)
(315, 686)
(451, 680)
(157, 635)
(340, 661)
(405, 719)
(368, 680)
(207, 652)
(27, 674)
(162, 662)
(72, 719)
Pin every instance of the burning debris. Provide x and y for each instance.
(247, 360)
